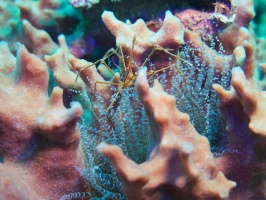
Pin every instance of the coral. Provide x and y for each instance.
(46, 13)
(193, 130)
(10, 24)
(85, 3)
(39, 136)
(209, 22)
(242, 111)
(56, 17)
(9, 20)
(145, 41)
(207, 64)
(180, 164)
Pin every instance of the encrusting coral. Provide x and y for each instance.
(164, 137)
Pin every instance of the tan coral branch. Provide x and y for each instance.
(180, 164)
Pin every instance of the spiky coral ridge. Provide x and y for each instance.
(242, 110)
(39, 136)
(180, 164)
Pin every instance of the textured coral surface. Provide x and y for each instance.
(106, 105)
(43, 138)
